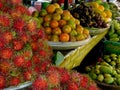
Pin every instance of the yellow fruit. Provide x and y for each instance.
(66, 29)
(56, 16)
(50, 8)
(95, 4)
(56, 5)
(101, 8)
(108, 13)
(77, 22)
(59, 10)
(103, 14)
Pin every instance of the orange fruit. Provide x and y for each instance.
(59, 10)
(56, 5)
(77, 22)
(66, 12)
(56, 31)
(54, 38)
(108, 13)
(54, 23)
(56, 16)
(95, 4)
(62, 22)
(47, 18)
(50, 8)
(66, 29)
(46, 24)
(64, 37)
(86, 31)
(101, 8)
(48, 30)
(79, 29)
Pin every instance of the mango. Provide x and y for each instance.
(105, 69)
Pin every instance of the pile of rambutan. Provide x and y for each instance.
(26, 56)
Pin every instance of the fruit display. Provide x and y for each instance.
(91, 14)
(26, 56)
(60, 25)
(106, 70)
(114, 31)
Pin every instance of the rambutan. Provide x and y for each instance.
(2, 82)
(19, 61)
(5, 67)
(7, 36)
(27, 75)
(40, 83)
(53, 78)
(16, 1)
(84, 81)
(6, 53)
(14, 81)
(36, 59)
(5, 20)
(31, 25)
(72, 86)
(19, 24)
(17, 44)
(1, 4)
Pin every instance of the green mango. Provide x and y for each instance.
(118, 32)
(115, 35)
(118, 81)
(106, 69)
(109, 80)
(114, 39)
(93, 75)
(100, 77)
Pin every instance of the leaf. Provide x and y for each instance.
(58, 58)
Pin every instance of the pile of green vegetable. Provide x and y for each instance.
(106, 70)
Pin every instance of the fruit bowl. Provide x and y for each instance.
(20, 86)
(68, 45)
(95, 31)
(104, 86)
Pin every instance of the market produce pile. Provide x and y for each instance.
(60, 25)
(26, 56)
(91, 14)
(106, 70)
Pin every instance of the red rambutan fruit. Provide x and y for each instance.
(19, 61)
(72, 86)
(31, 25)
(84, 81)
(2, 82)
(16, 1)
(34, 46)
(36, 59)
(6, 53)
(42, 53)
(40, 84)
(7, 36)
(4, 67)
(1, 5)
(19, 24)
(14, 81)
(17, 44)
(27, 75)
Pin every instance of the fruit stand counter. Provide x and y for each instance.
(75, 57)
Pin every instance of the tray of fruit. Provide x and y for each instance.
(68, 45)
(106, 71)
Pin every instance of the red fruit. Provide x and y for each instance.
(27, 64)
(14, 81)
(84, 81)
(34, 37)
(64, 75)
(44, 65)
(6, 53)
(27, 75)
(4, 67)
(93, 87)
(42, 53)
(53, 78)
(1, 43)
(24, 38)
(31, 25)
(4, 20)
(1, 4)
(40, 84)
(19, 24)
(17, 44)
(2, 82)
(19, 61)
(37, 69)
(34, 46)
(7, 36)
(72, 86)
(36, 59)
(41, 34)
(16, 1)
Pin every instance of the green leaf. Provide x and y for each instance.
(58, 58)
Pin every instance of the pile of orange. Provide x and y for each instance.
(61, 26)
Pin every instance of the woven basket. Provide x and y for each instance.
(104, 86)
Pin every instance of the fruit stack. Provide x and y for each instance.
(91, 14)
(60, 25)
(25, 55)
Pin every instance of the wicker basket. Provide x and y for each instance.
(104, 86)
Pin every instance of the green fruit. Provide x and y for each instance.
(105, 69)
(97, 71)
(114, 35)
(118, 81)
(43, 12)
(108, 60)
(100, 77)
(113, 63)
(113, 55)
(73, 33)
(106, 56)
(114, 39)
(118, 32)
(109, 80)
(93, 75)
(88, 69)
